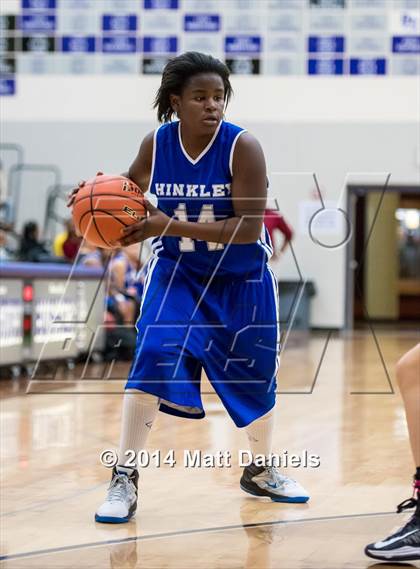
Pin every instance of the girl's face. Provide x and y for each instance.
(201, 104)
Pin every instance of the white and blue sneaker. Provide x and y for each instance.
(121, 502)
(267, 481)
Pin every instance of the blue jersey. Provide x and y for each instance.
(226, 326)
(199, 190)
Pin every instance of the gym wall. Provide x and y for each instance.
(342, 127)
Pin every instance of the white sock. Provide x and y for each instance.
(260, 434)
(138, 414)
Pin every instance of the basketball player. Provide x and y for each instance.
(404, 545)
(209, 299)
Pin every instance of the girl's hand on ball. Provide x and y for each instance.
(72, 195)
(151, 226)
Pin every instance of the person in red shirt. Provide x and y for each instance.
(72, 242)
(276, 222)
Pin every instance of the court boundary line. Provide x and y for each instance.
(168, 534)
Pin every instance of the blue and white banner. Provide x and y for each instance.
(326, 44)
(367, 66)
(80, 4)
(243, 44)
(7, 66)
(405, 22)
(272, 37)
(406, 44)
(327, 3)
(321, 22)
(78, 65)
(39, 4)
(152, 44)
(114, 23)
(161, 4)
(405, 65)
(154, 65)
(333, 66)
(120, 65)
(244, 66)
(8, 22)
(372, 44)
(77, 44)
(284, 22)
(38, 44)
(9, 44)
(119, 44)
(201, 22)
(372, 22)
(7, 87)
(38, 22)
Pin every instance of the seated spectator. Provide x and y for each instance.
(93, 258)
(5, 253)
(137, 255)
(122, 300)
(67, 243)
(122, 295)
(4, 204)
(89, 255)
(31, 249)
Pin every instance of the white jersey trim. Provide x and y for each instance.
(157, 247)
(207, 148)
(262, 241)
(152, 169)
(278, 336)
(264, 235)
(150, 269)
(232, 150)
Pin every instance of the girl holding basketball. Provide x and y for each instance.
(210, 300)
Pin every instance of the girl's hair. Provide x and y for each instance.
(178, 71)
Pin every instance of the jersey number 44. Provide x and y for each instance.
(186, 244)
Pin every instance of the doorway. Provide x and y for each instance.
(383, 255)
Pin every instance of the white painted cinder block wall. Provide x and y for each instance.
(343, 130)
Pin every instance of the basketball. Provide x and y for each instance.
(104, 206)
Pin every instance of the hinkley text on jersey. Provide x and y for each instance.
(193, 190)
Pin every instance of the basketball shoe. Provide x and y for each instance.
(121, 502)
(404, 544)
(267, 481)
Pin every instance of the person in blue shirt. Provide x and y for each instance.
(210, 301)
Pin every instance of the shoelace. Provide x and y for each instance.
(406, 505)
(279, 479)
(413, 501)
(118, 488)
(410, 502)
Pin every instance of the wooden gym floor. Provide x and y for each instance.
(52, 480)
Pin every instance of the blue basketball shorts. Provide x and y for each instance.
(226, 326)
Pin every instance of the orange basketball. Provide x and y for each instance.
(104, 206)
